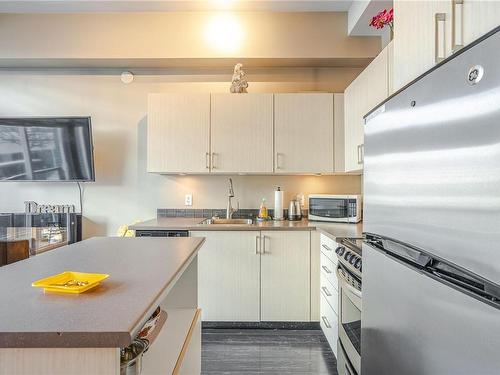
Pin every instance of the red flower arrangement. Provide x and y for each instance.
(383, 18)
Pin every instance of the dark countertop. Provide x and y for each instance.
(194, 224)
(142, 271)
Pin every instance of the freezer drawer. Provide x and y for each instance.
(415, 325)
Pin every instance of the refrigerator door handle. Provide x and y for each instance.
(407, 252)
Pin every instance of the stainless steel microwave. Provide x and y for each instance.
(335, 208)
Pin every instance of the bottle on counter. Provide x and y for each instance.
(263, 213)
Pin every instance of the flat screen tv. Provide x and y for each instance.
(46, 149)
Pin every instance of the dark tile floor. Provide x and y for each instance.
(253, 351)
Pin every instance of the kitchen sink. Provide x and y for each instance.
(215, 221)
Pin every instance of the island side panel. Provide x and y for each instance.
(184, 294)
(60, 361)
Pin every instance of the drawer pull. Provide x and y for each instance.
(327, 292)
(326, 322)
(326, 269)
(326, 247)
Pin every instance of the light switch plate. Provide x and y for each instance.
(188, 200)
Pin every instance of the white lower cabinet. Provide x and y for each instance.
(329, 304)
(254, 276)
(229, 276)
(285, 276)
(329, 324)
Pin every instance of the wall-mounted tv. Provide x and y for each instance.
(46, 149)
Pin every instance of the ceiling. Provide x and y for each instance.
(68, 6)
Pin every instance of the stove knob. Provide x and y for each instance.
(347, 256)
(340, 250)
(353, 259)
(357, 265)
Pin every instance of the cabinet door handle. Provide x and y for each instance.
(327, 323)
(326, 269)
(279, 158)
(440, 37)
(348, 370)
(213, 160)
(264, 244)
(326, 247)
(457, 23)
(257, 238)
(360, 154)
(327, 292)
(207, 160)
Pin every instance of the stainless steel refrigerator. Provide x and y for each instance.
(431, 259)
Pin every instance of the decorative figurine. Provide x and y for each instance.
(239, 83)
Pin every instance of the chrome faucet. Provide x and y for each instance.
(230, 210)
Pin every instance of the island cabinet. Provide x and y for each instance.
(252, 276)
(52, 333)
(303, 133)
(242, 133)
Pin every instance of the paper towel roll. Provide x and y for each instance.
(278, 204)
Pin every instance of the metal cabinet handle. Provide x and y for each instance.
(326, 269)
(257, 238)
(326, 247)
(360, 154)
(440, 37)
(327, 292)
(207, 160)
(457, 23)
(327, 323)
(279, 156)
(264, 244)
(213, 160)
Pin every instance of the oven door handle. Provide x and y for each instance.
(346, 284)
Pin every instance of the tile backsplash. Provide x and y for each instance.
(207, 213)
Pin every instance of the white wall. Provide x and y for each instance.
(124, 191)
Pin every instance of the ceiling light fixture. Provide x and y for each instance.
(224, 33)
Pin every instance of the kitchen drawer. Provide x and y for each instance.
(329, 270)
(328, 247)
(330, 293)
(329, 324)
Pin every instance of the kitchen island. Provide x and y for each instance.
(45, 333)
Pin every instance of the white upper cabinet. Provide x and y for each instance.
(368, 89)
(242, 133)
(303, 133)
(478, 18)
(178, 123)
(426, 32)
(422, 32)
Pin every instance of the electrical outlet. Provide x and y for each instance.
(188, 200)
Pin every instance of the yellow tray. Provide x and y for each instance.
(56, 283)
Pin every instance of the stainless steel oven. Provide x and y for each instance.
(350, 305)
(335, 208)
